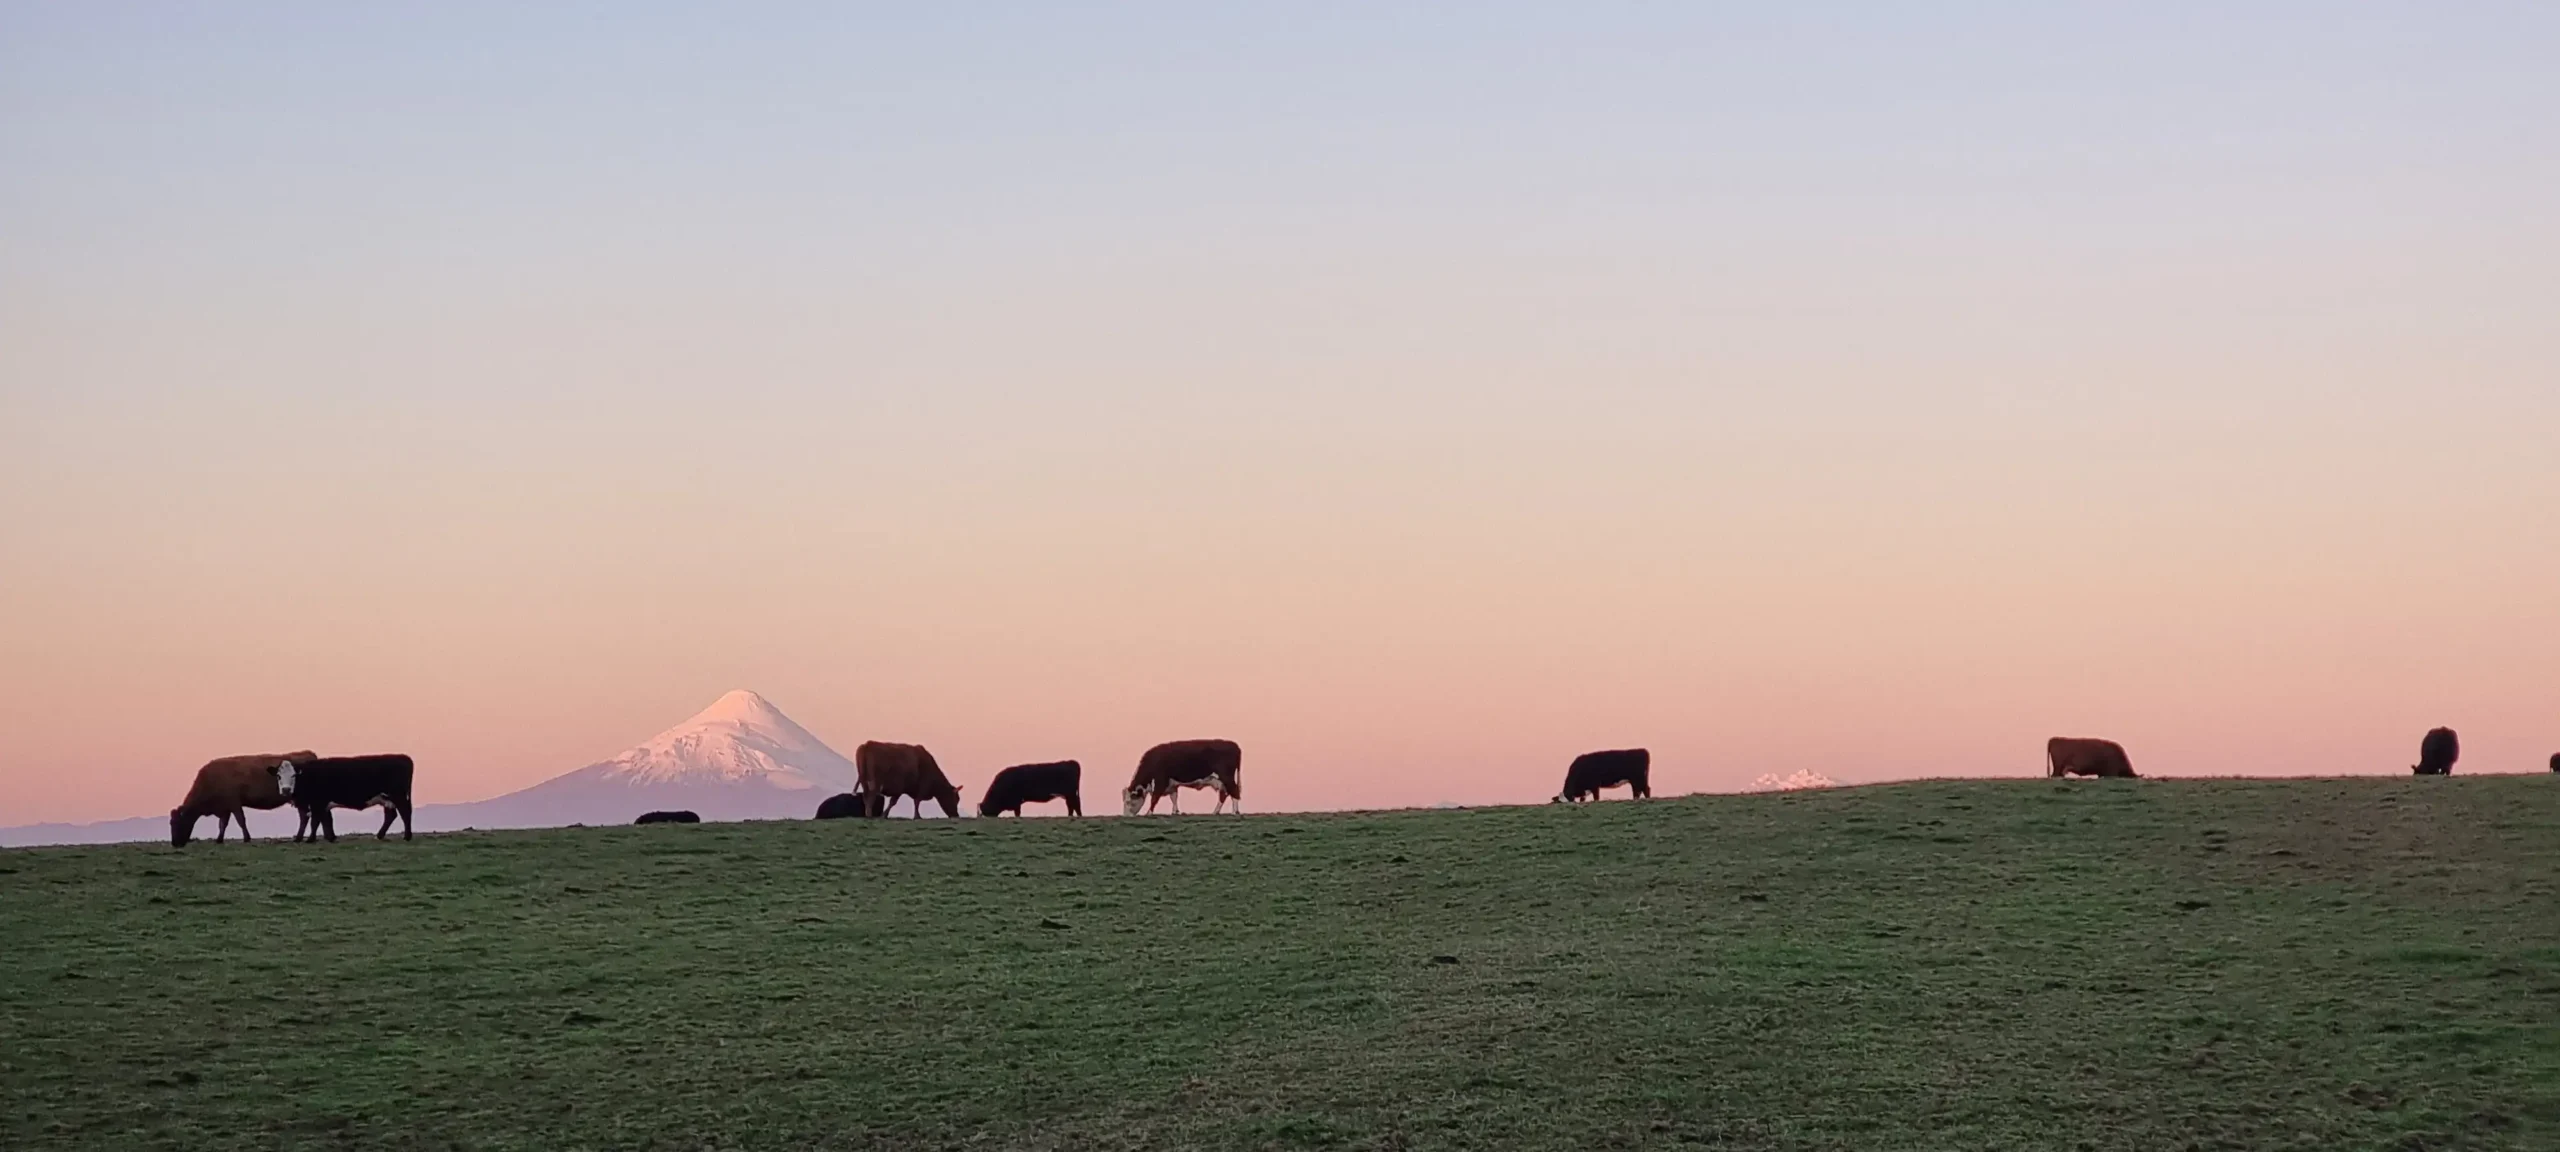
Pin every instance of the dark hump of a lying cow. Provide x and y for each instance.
(1593, 771)
(1034, 784)
(843, 806)
(2437, 753)
(669, 817)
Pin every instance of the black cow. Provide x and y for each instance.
(843, 806)
(1593, 771)
(678, 817)
(1033, 784)
(2437, 753)
(2555, 761)
(354, 782)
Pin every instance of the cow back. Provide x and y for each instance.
(1187, 762)
(353, 781)
(1593, 771)
(1030, 784)
(228, 782)
(2086, 756)
(885, 769)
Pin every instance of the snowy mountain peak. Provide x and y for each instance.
(740, 739)
(740, 706)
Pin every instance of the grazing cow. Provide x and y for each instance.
(889, 771)
(225, 788)
(1593, 771)
(844, 805)
(1033, 784)
(2437, 753)
(1166, 769)
(2076, 756)
(354, 782)
(662, 817)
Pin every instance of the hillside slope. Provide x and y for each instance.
(2328, 964)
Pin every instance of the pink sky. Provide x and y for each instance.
(1419, 415)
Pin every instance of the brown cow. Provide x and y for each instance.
(2437, 752)
(888, 771)
(1166, 769)
(2073, 756)
(225, 788)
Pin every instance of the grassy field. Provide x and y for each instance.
(2335, 964)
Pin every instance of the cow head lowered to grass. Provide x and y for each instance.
(226, 788)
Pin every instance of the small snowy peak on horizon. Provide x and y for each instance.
(740, 739)
(1802, 778)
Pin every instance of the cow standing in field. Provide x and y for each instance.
(354, 782)
(1593, 771)
(889, 771)
(2555, 761)
(1033, 784)
(2437, 753)
(226, 788)
(1166, 769)
(663, 817)
(2079, 756)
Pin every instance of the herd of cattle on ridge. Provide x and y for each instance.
(886, 773)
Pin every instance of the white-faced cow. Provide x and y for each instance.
(2437, 753)
(354, 782)
(1034, 784)
(1593, 771)
(1166, 769)
(2080, 756)
(225, 788)
(885, 772)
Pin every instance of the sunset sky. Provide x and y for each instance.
(1416, 395)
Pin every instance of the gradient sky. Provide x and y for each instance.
(1418, 395)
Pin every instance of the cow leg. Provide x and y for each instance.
(328, 822)
(389, 813)
(243, 817)
(221, 827)
(1075, 807)
(405, 829)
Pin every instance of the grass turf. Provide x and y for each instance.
(2331, 964)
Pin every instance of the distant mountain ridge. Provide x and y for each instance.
(739, 759)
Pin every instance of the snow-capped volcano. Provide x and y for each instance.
(739, 759)
(741, 738)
